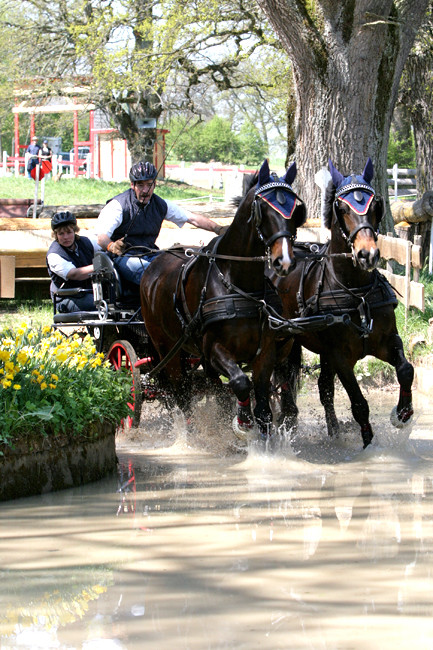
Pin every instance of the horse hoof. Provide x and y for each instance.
(402, 418)
(242, 431)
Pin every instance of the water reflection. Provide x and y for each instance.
(191, 548)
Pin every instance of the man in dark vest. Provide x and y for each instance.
(69, 262)
(134, 218)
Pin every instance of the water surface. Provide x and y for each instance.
(197, 544)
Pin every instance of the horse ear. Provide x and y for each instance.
(290, 174)
(336, 176)
(368, 172)
(264, 173)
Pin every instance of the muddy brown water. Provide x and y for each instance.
(196, 544)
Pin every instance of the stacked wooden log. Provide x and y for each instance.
(408, 215)
(413, 211)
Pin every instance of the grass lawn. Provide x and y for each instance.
(89, 191)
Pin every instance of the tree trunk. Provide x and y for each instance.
(347, 63)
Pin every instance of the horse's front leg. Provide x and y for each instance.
(179, 385)
(360, 408)
(262, 368)
(403, 412)
(326, 384)
(286, 380)
(224, 363)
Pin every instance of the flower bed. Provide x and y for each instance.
(60, 404)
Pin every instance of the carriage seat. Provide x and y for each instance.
(75, 316)
(109, 286)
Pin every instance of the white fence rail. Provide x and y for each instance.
(403, 181)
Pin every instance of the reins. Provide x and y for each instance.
(191, 252)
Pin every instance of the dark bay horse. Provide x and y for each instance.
(342, 279)
(211, 304)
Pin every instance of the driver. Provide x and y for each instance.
(134, 218)
(69, 263)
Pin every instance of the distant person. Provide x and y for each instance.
(46, 152)
(134, 218)
(70, 263)
(34, 155)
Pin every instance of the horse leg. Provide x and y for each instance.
(359, 404)
(403, 412)
(179, 386)
(262, 368)
(224, 364)
(219, 390)
(286, 379)
(326, 385)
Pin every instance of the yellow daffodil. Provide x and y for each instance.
(22, 357)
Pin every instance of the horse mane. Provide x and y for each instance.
(249, 180)
(328, 204)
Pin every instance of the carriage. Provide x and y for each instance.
(242, 306)
(117, 329)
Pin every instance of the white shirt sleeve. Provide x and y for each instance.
(109, 218)
(59, 266)
(92, 238)
(176, 214)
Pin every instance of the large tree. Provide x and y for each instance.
(416, 96)
(347, 60)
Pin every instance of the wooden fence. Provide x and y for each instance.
(409, 291)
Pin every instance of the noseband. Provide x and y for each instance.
(280, 188)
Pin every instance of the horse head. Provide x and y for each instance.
(277, 212)
(352, 206)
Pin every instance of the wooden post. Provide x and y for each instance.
(35, 203)
(430, 268)
(395, 177)
(17, 134)
(7, 276)
(407, 280)
(76, 165)
(417, 240)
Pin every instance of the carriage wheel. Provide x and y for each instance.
(122, 355)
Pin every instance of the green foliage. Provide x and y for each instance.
(218, 142)
(215, 140)
(252, 149)
(401, 150)
(56, 384)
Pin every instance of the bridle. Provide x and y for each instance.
(359, 190)
(280, 188)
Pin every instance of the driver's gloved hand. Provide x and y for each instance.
(116, 247)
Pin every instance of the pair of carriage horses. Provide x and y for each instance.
(247, 303)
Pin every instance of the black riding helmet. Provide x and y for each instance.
(142, 171)
(62, 219)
